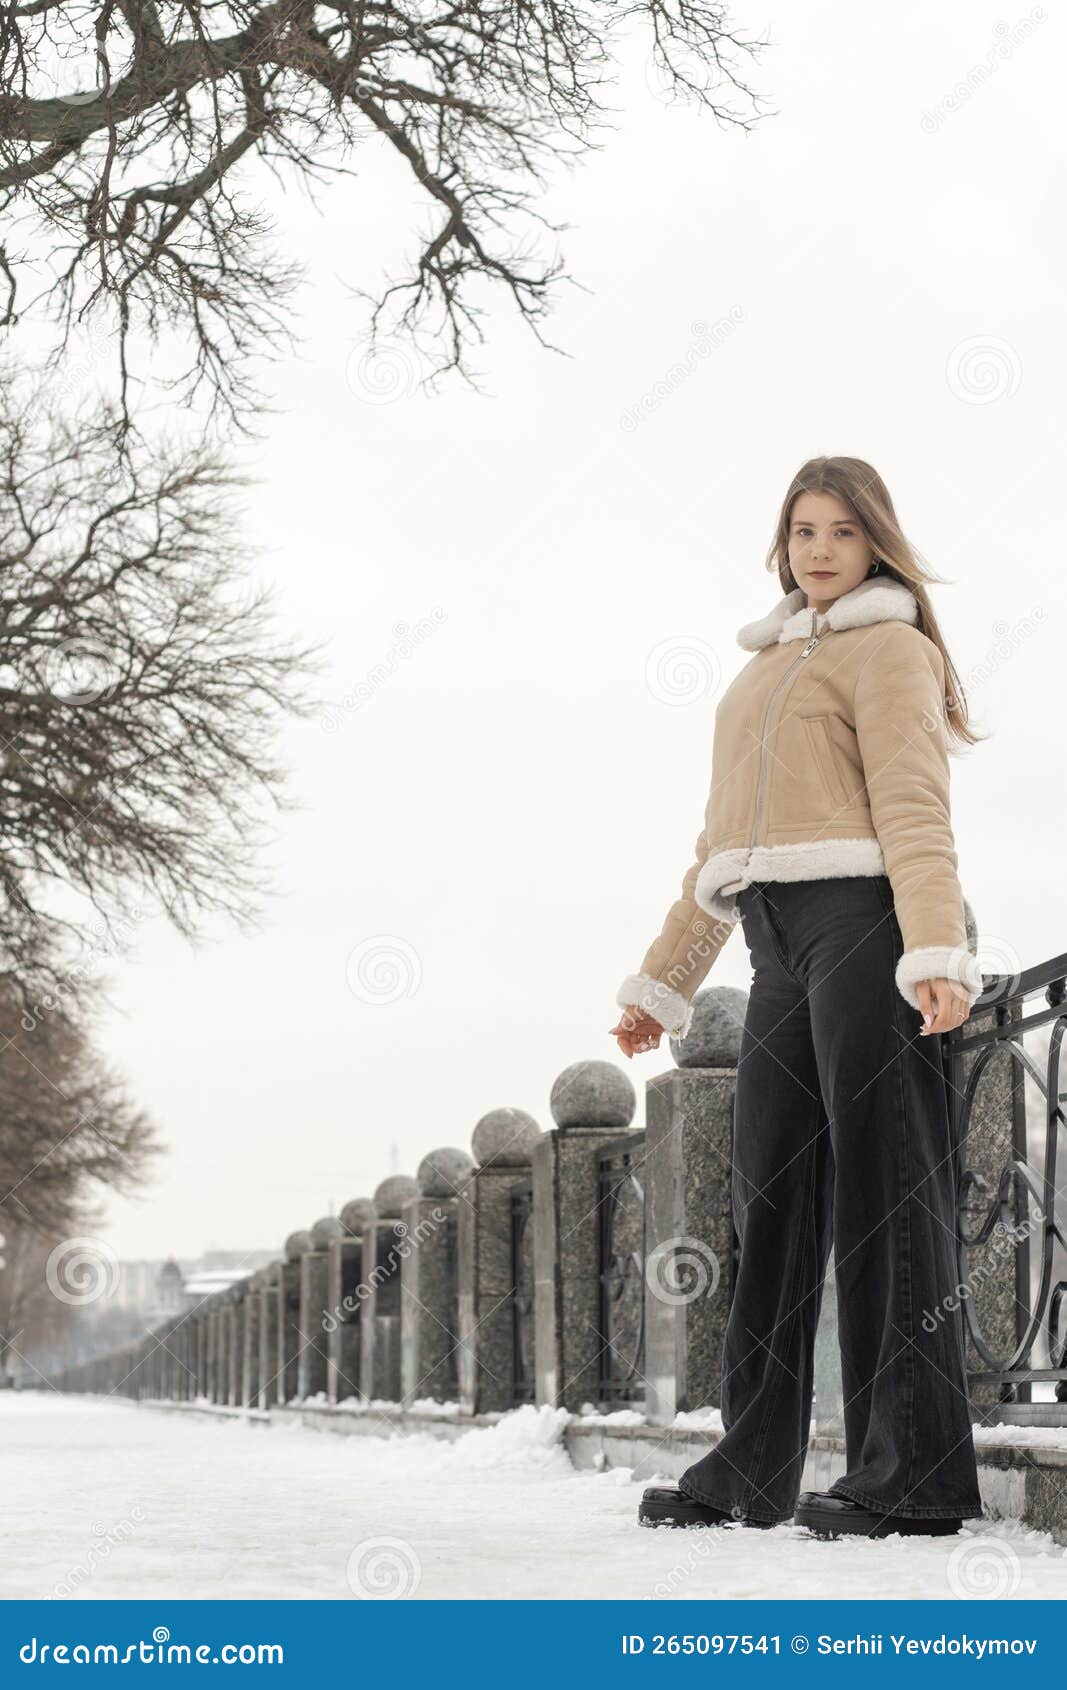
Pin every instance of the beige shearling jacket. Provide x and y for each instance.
(829, 758)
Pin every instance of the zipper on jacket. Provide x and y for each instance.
(807, 651)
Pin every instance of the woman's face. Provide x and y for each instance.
(828, 552)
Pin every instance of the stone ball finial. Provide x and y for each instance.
(714, 1039)
(392, 1193)
(355, 1215)
(442, 1172)
(592, 1094)
(325, 1231)
(298, 1244)
(505, 1138)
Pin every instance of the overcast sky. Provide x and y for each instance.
(534, 592)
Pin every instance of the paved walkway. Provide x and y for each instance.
(104, 1499)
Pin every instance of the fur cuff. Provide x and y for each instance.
(953, 962)
(673, 1012)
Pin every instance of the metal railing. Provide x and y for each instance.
(621, 1265)
(1013, 1210)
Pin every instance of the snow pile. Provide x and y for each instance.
(528, 1440)
(589, 1416)
(436, 1410)
(699, 1420)
(427, 1407)
(1049, 1437)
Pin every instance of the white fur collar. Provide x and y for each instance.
(876, 599)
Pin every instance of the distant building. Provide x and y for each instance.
(136, 1286)
(170, 1287)
(157, 1290)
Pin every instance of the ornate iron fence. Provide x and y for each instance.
(621, 1262)
(1011, 1214)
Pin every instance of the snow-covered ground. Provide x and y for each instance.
(102, 1499)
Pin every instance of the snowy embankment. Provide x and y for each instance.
(105, 1500)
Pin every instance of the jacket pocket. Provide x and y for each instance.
(825, 758)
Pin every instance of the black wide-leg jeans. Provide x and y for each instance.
(841, 1134)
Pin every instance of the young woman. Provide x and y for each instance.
(827, 835)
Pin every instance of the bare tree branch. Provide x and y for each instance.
(142, 190)
(140, 684)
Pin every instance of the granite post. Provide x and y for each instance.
(267, 1391)
(344, 1274)
(236, 1341)
(592, 1104)
(214, 1352)
(314, 1308)
(154, 1358)
(253, 1333)
(222, 1351)
(690, 1245)
(383, 1233)
(177, 1363)
(828, 1396)
(429, 1282)
(288, 1311)
(185, 1335)
(495, 1250)
(200, 1323)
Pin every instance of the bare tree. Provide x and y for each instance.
(68, 1133)
(140, 190)
(59, 1302)
(141, 688)
(68, 1129)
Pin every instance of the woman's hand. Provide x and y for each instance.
(941, 1000)
(636, 1031)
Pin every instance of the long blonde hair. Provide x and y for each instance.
(861, 488)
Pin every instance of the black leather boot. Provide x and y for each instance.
(666, 1505)
(827, 1515)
